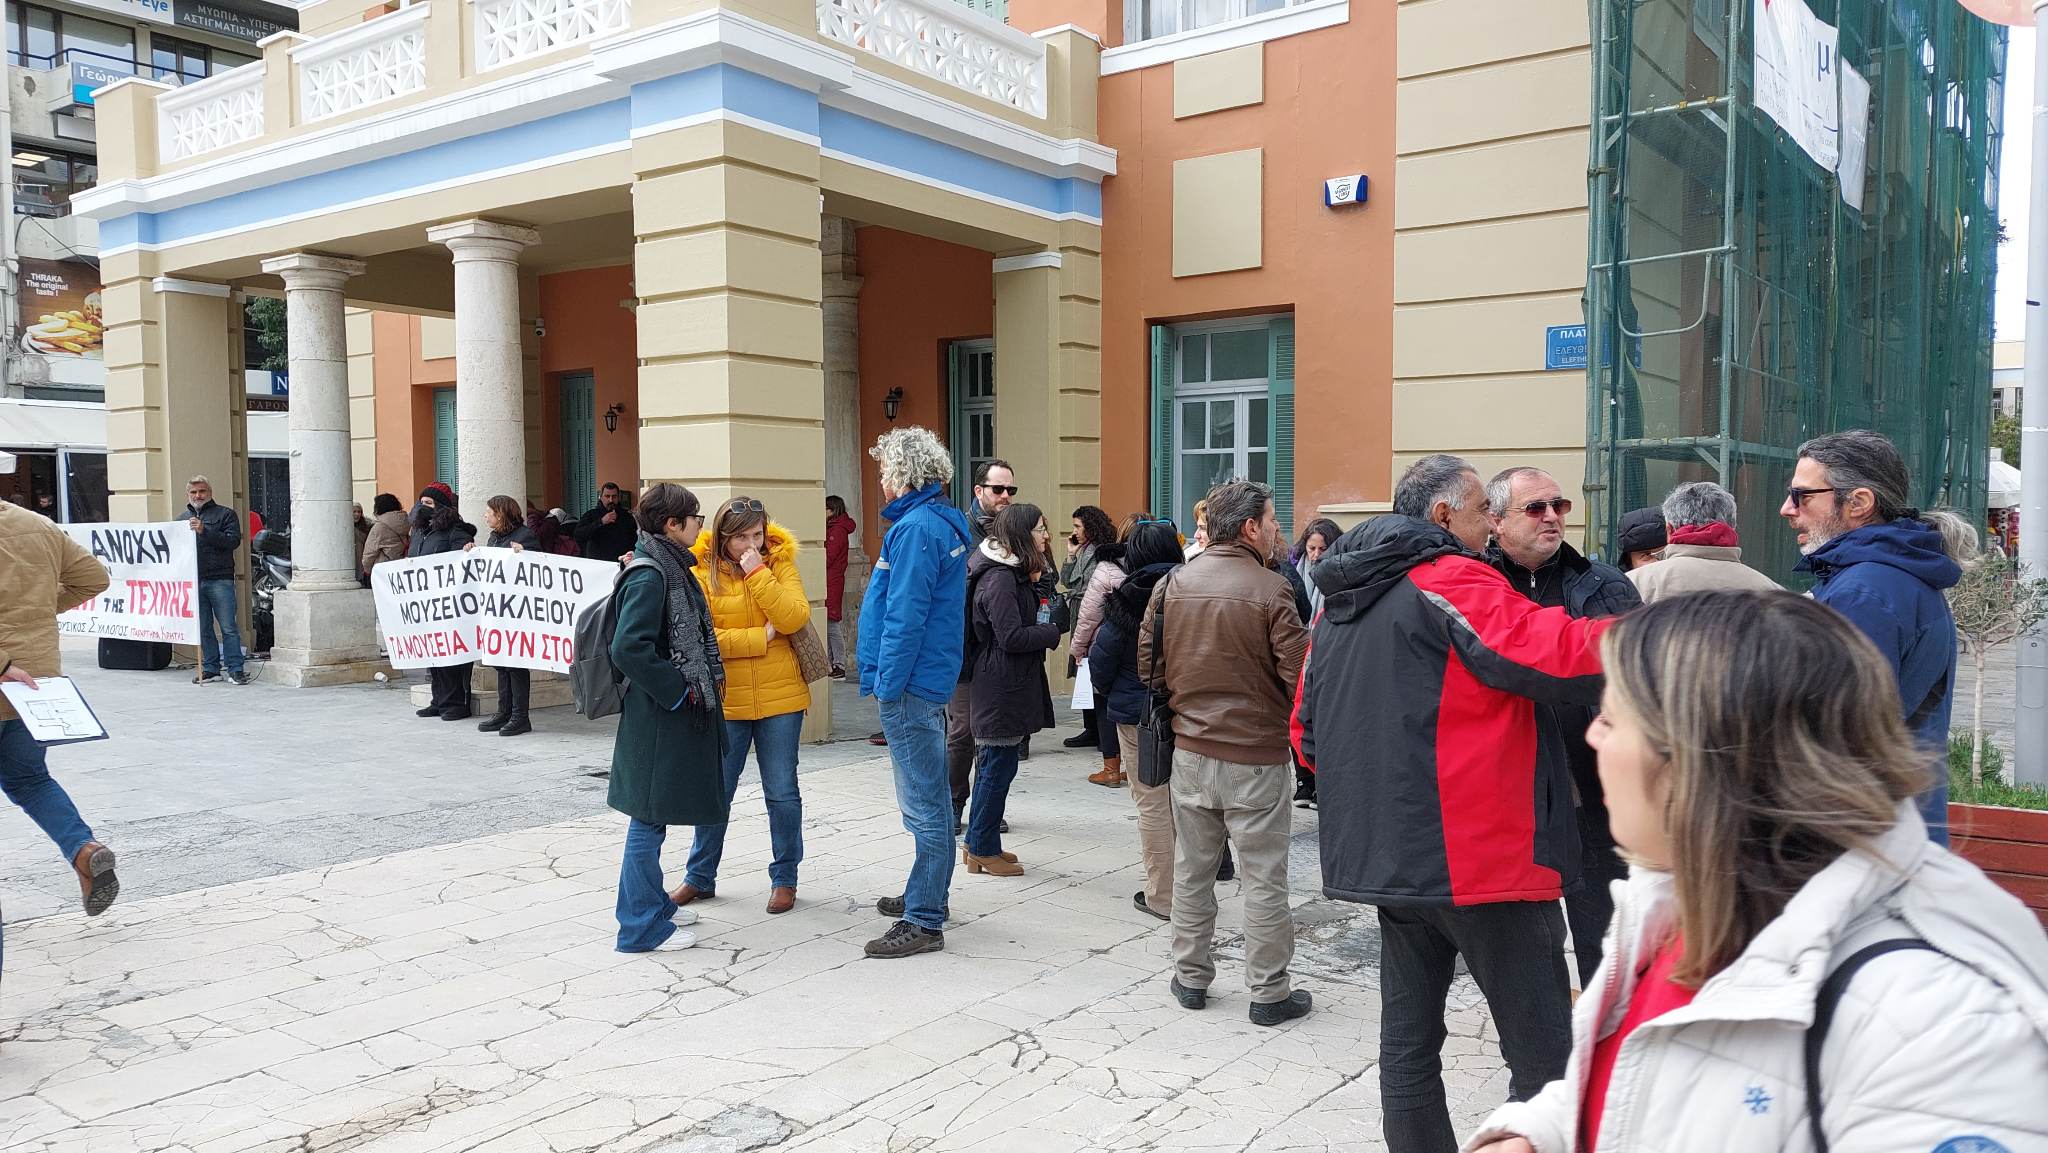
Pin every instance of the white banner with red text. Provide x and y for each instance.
(503, 608)
(153, 587)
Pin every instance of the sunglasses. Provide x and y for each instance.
(1534, 509)
(1798, 495)
(1002, 489)
(745, 504)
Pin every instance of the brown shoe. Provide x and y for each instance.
(688, 893)
(782, 900)
(97, 885)
(993, 866)
(1112, 774)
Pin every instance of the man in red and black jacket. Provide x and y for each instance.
(1443, 801)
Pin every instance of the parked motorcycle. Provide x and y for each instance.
(270, 569)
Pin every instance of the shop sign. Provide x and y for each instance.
(87, 76)
(60, 308)
(148, 11)
(243, 20)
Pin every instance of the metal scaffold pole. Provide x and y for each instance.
(2030, 726)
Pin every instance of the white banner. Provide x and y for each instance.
(153, 593)
(504, 608)
(1795, 82)
(1855, 136)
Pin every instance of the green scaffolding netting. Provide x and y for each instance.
(1756, 307)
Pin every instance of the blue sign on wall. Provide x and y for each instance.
(87, 76)
(1564, 347)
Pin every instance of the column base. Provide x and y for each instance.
(328, 637)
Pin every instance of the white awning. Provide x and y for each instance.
(53, 424)
(2005, 485)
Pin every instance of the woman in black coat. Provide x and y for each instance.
(515, 686)
(1151, 553)
(1012, 628)
(667, 756)
(438, 527)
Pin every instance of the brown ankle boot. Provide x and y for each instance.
(1112, 774)
(97, 885)
(993, 866)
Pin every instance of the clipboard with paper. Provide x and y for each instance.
(54, 711)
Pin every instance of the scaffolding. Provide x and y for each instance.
(1757, 308)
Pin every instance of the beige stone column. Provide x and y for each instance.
(731, 330)
(843, 448)
(326, 621)
(490, 360)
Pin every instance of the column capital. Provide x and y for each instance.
(311, 270)
(483, 239)
(191, 287)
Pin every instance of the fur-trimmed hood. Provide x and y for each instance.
(781, 547)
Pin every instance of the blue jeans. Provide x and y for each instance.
(645, 912)
(916, 729)
(25, 777)
(775, 741)
(993, 772)
(217, 604)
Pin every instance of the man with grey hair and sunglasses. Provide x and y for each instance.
(1703, 551)
(1528, 509)
(1443, 803)
(1885, 565)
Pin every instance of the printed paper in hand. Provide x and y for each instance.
(1084, 688)
(54, 712)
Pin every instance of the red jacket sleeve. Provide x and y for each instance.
(1509, 643)
(1300, 729)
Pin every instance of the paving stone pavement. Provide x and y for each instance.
(461, 993)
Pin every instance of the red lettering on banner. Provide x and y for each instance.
(160, 598)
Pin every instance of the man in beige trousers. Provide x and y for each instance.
(1229, 648)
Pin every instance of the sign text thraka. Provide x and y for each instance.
(504, 608)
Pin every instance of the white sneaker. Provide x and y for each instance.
(685, 916)
(683, 939)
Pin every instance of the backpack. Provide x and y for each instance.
(599, 689)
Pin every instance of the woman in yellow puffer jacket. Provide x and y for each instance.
(747, 565)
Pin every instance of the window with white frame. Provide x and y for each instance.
(1151, 19)
(1221, 398)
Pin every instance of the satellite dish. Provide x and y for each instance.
(2015, 13)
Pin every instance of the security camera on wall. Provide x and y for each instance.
(540, 328)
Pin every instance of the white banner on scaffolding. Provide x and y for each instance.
(1796, 84)
(1855, 135)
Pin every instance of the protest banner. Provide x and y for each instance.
(503, 608)
(153, 590)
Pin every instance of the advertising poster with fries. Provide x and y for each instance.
(60, 309)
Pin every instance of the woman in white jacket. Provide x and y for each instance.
(1761, 782)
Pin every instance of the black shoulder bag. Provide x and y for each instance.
(1155, 731)
(1825, 1002)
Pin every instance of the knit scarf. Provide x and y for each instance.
(692, 642)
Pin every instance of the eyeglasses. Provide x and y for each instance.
(1798, 495)
(1534, 509)
(1002, 489)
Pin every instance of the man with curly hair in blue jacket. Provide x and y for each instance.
(912, 638)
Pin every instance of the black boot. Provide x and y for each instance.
(497, 721)
(516, 726)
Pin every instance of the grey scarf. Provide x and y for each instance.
(692, 642)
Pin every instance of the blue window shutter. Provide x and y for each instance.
(1280, 415)
(1162, 420)
(444, 438)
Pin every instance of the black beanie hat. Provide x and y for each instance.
(1641, 530)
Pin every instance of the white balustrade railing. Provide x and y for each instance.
(946, 41)
(508, 31)
(210, 114)
(371, 63)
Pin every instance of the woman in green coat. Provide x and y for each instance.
(665, 763)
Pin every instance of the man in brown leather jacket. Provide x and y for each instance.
(1225, 642)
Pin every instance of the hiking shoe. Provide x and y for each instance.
(1274, 1012)
(241, 678)
(1144, 906)
(905, 939)
(893, 907)
(206, 678)
(1189, 998)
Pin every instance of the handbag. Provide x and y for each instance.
(813, 663)
(1155, 730)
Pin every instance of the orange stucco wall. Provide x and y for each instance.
(1328, 110)
(588, 331)
(405, 405)
(917, 295)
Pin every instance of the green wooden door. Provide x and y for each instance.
(579, 442)
(444, 438)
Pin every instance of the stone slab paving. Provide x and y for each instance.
(464, 995)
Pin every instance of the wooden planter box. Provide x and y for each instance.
(2010, 845)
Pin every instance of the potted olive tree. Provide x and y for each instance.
(1999, 827)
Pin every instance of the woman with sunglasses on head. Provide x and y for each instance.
(746, 564)
(665, 760)
(1792, 965)
(1013, 627)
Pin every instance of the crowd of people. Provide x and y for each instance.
(1708, 803)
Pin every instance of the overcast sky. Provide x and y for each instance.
(2010, 313)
